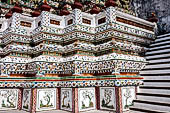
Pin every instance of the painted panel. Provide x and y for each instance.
(128, 95)
(66, 99)
(8, 99)
(26, 99)
(86, 99)
(46, 99)
(107, 98)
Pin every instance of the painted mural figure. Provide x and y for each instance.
(66, 95)
(8, 98)
(47, 99)
(26, 96)
(87, 96)
(127, 96)
(107, 99)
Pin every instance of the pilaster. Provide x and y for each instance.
(33, 100)
(77, 16)
(20, 95)
(58, 96)
(15, 23)
(97, 90)
(118, 94)
(45, 18)
(75, 108)
(110, 14)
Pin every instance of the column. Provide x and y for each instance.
(77, 19)
(45, 18)
(136, 91)
(118, 94)
(77, 16)
(58, 96)
(15, 21)
(33, 100)
(110, 15)
(97, 90)
(75, 108)
(20, 95)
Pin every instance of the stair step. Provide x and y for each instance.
(159, 48)
(145, 110)
(155, 63)
(159, 61)
(156, 95)
(156, 91)
(155, 72)
(156, 66)
(162, 39)
(135, 112)
(160, 84)
(158, 52)
(166, 77)
(163, 36)
(162, 80)
(160, 44)
(162, 56)
(155, 87)
(152, 105)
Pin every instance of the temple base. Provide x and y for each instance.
(74, 100)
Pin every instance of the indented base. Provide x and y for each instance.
(68, 99)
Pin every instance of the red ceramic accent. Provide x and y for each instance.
(17, 8)
(95, 10)
(77, 5)
(45, 7)
(9, 14)
(35, 13)
(109, 3)
(153, 18)
(64, 12)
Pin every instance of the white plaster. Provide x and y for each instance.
(26, 100)
(46, 99)
(129, 94)
(66, 99)
(8, 99)
(135, 19)
(83, 99)
(107, 94)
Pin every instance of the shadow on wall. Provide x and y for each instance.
(143, 8)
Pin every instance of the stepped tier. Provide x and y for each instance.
(75, 62)
(154, 94)
(49, 36)
(72, 47)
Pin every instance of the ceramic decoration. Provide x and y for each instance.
(128, 95)
(8, 98)
(86, 99)
(107, 98)
(66, 99)
(46, 99)
(26, 101)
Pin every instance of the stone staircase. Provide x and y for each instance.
(154, 95)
